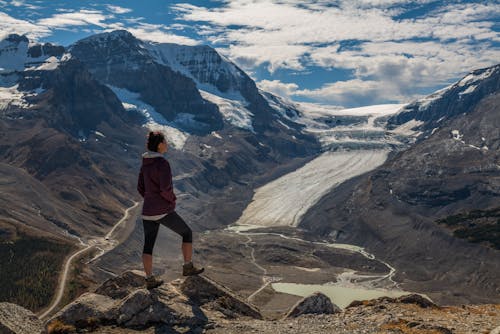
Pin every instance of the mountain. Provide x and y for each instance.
(72, 127)
(17, 53)
(428, 114)
(432, 210)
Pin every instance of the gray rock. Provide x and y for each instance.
(15, 319)
(134, 309)
(88, 309)
(496, 330)
(202, 290)
(416, 299)
(317, 303)
(121, 286)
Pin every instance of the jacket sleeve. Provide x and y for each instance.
(140, 183)
(166, 185)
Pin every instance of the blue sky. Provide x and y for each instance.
(343, 52)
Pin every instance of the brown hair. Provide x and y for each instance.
(154, 139)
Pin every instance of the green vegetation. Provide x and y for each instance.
(30, 268)
(479, 226)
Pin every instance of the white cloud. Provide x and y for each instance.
(10, 25)
(118, 9)
(82, 17)
(354, 92)
(277, 87)
(402, 54)
(21, 3)
(159, 33)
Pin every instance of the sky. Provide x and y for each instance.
(343, 53)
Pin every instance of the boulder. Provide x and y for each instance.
(15, 319)
(132, 307)
(88, 310)
(203, 291)
(121, 286)
(317, 303)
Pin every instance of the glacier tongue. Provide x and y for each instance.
(285, 200)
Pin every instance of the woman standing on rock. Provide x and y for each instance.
(155, 185)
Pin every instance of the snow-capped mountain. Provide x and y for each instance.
(17, 53)
(120, 60)
(427, 115)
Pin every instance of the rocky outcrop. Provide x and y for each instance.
(207, 292)
(317, 303)
(15, 319)
(407, 299)
(123, 301)
(121, 286)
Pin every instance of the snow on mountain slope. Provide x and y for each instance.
(211, 71)
(17, 53)
(352, 128)
(154, 120)
(431, 112)
(13, 54)
(233, 110)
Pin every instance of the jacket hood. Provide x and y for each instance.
(149, 157)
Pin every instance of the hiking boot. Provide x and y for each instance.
(152, 282)
(189, 270)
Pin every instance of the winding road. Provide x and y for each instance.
(104, 243)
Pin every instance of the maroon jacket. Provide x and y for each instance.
(155, 185)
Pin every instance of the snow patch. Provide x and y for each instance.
(215, 134)
(469, 90)
(11, 96)
(49, 65)
(456, 135)
(471, 78)
(406, 129)
(154, 120)
(12, 56)
(234, 111)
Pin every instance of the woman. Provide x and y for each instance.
(155, 185)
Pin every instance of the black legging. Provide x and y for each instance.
(173, 221)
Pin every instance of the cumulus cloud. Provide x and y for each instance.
(82, 17)
(159, 33)
(385, 47)
(279, 88)
(10, 25)
(118, 9)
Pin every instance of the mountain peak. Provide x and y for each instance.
(15, 38)
(461, 97)
(117, 39)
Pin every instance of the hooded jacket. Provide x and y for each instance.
(155, 185)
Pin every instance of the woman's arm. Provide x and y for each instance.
(140, 183)
(166, 186)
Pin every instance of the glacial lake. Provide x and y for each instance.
(341, 296)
